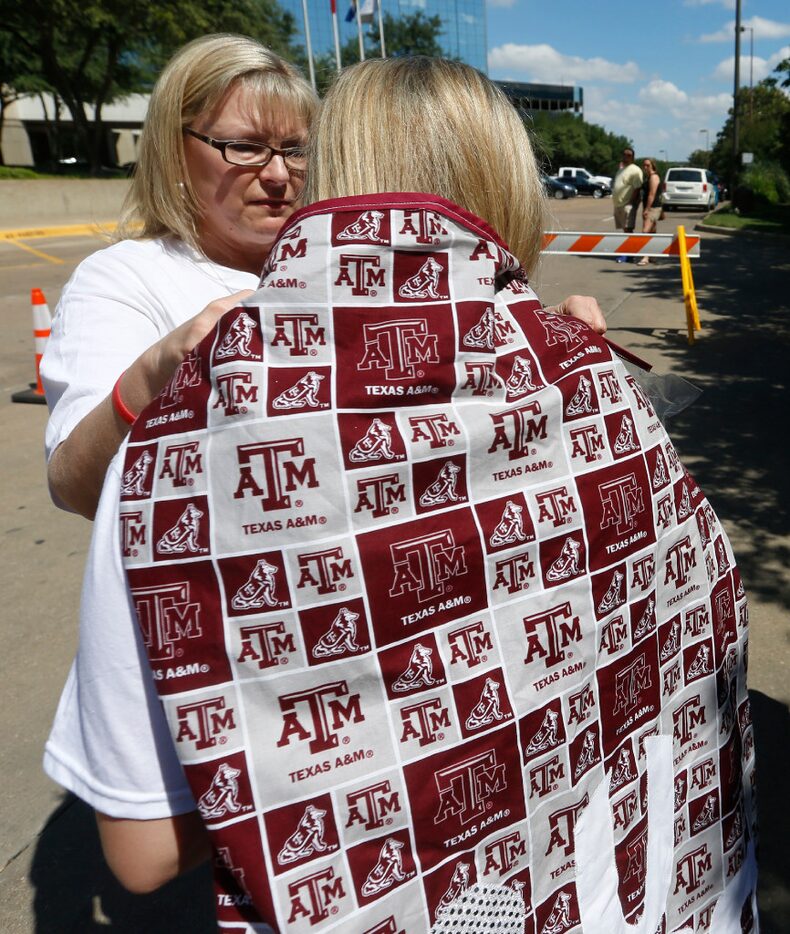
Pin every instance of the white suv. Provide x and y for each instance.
(687, 187)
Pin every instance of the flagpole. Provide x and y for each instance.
(381, 29)
(359, 32)
(309, 44)
(337, 35)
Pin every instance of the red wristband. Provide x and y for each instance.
(118, 404)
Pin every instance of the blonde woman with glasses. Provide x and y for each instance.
(220, 169)
(435, 631)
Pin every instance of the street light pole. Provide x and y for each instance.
(707, 139)
(751, 67)
(735, 140)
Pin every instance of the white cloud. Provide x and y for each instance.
(544, 63)
(762, 67)
(763, 29)
(665, 97)
(501, 3)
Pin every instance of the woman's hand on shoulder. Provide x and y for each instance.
(165, 355)
(583, 307)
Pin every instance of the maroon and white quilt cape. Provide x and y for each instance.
(442, 628)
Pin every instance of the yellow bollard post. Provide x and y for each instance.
(689, 295)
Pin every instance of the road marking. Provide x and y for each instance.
(38, 233)
(35, 252)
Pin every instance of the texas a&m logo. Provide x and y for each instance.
(235, 393)
(425, 226)
(371, 806)
(424, 565)
(503, 853)
(622, 502)
(549, 634)
(166, 616)
(516, 428)
(556, 506)
(299, 332)
(266, 644)
(471, 644)
(291, 245)
(397, 348)
(278, 472)
(380, 495)
(610, 387)
(587, 442)
(686, 718)
(361, 272)
(681, 557)
(580, 705)
(437, 429)
(425, 721)
(205, 722)
(562, 824)
(186, 375)
(132, 533)
(181, 462)
(314, 896)
(690, 869)
(481, 378)
(546, 777)
(325, 570)
(318, 714)
(515, 573)
(466, 786)
(630, 683)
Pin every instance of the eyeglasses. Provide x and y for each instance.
(253, 155)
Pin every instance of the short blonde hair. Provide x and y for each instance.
(434, 126)
(193, 82)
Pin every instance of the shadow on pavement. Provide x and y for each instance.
(75, 893)
(772, 745)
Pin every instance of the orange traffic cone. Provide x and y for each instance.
(42, 322)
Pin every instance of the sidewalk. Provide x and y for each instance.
(732, 439)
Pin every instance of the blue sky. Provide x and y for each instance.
(656, 72)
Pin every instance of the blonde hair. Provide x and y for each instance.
(653, 166)
(434, 126)
(193, 82)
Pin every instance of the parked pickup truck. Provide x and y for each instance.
(572, 173)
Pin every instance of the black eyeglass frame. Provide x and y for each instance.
(222, 144)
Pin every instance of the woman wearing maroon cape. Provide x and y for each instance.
(441, 632)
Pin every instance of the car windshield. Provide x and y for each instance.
(684, 175)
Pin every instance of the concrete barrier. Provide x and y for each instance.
(54, 201)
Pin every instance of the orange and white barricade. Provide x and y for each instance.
(42, 323)
(680, 244)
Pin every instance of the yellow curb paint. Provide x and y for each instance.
(71, 230)
(24, 246)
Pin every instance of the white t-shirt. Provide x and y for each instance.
(110, 744)
(119, 301)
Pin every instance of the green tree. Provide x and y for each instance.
(412, 34)
(763, 126)
(91, 52)
(700, 158)
(565, 139)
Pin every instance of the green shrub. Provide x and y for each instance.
(766, 182)
(10, 171)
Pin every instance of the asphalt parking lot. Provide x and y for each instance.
(51, 875)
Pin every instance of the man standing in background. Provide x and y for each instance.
(625, 194)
